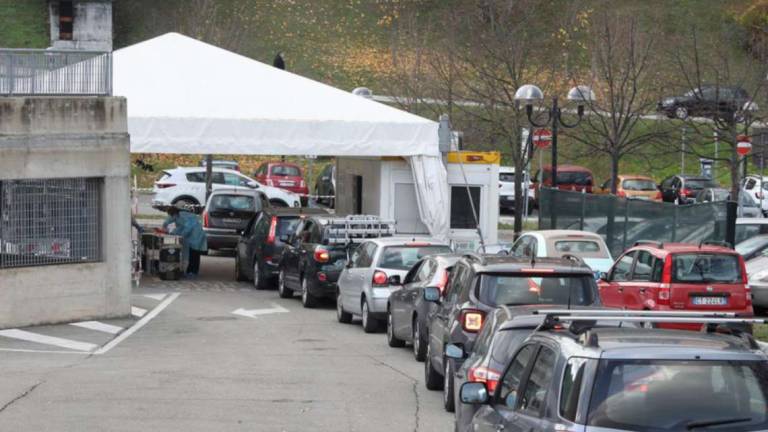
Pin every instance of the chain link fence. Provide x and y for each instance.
(622, 222)
(55, 72)
(51, 221)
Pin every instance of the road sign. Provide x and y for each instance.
(744, 145)
(542, 137)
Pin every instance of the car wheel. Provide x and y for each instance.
(419, 341)
(258, 282)
(282, 290)
(342, 316)
(448, 402)
(307, 299)
(239, 276)
(681, 113)
(392, 340)
(370, 324)
(432, 378)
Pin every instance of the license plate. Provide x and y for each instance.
(286, 183)
(231, 221)
(709, 301)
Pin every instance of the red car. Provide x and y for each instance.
(283, 175)
(678, 276)
(569, 177)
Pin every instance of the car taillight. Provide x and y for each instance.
(322, 277)
(272, 230)
(472, 320)
(379, 278)
(302, 183)
(621, 194)
(686, 192)
(759, 195)
(666, 281)
(658, 195)
(443, 282)
(164, 185)
(485, 375)
(206, 221)
(270, 182)
(744, 277)
(322, 255)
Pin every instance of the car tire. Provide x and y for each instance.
(258, 280)
(681, 113)
(370, 324)
(342, 316)
(239, 276)
(308, 300)
(392, 340)
(420, 340)
(282, 290)
(432, 379)
(448, 401)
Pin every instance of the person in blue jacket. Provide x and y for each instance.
(195, 242)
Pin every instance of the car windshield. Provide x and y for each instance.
(507, 177)
(699, 184)
(521, 289)
(582, 248)
(680, 395)
(703, 267)
(638, 185)
(232, 202)
(751, 245)
(285, 171)
(404, 257)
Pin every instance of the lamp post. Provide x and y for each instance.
(531, 94)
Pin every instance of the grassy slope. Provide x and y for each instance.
(23, 24)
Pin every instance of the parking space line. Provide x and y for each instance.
(137, 311)
(158, 297)
(48, 340)
(139, 324)
(98, 326)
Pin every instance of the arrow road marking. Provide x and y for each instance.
(253, 313)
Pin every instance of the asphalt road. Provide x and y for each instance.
(196, 366)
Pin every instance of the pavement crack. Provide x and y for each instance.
(20, 397)
(414, 387)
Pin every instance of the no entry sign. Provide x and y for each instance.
(743, 145)
(542, 137)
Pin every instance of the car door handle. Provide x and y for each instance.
(642, 290)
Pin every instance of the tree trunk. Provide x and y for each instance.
(614, 172)
(735, 166)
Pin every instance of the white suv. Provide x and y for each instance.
(187, 186)
(507, 189)
(757, 188)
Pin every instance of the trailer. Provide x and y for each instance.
(384, 186)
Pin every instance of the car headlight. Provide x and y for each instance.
(381, 292)
(668, 101)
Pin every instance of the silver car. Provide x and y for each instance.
(373, 271)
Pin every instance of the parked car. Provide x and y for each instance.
(260, 247)
(282, 175)
(569, 177)
(581, 378)
(187, 186)
(477, 285)
(507, 189)
(315, 255)
(375, 269)
(633, 186)
(227, 213)
(682, 189)
(752, 247)
(705, 101)
(227, 164)
(757, 271)
(326, 185)
(407, 311)
(750, 227)
(588, 246)
(757, 188)
(673, 276)
(747, 206)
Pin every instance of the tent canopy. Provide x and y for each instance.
(186, 96)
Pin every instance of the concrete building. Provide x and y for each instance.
(81, 24)
(65, 246)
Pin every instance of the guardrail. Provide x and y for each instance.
(29, 72)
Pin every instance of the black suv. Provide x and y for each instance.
(682, 189)
(260, 247)
(705, 101)
(479, 284)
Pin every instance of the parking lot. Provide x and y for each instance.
(196, 365)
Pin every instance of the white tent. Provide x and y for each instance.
(186, 96)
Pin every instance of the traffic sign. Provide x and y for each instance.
(744, 145)
(542, 137)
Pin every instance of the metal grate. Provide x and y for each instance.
(50, 221)
(55, 72)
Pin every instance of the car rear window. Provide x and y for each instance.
(286, 225)
(404, 257)
(638, 185)
(700, 267)
(520, 289)
(699, 184)
(745, 231)
(507, 177)
(582, 248)
(571, 177)
(680, 395)
(232, 202)
(285, 171)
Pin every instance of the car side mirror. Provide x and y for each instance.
(432, 294)
(455, 351)
(394, 280)
(474, 393)
(252, 184)
(603, 276)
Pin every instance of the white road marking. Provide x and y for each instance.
(139, 324)
(158, 297)
(253, 313)
(137, 311)
(98, 326)
(48, 340)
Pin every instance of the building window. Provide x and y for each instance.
(461, 209)
(51, 221)
(66, 19)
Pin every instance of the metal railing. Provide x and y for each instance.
(25, 72)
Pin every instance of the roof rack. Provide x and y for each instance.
(658, 244)
(344, 230)
(475, 257)
(724, 244)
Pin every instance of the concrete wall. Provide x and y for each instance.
(92, 25)
(64, 137)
